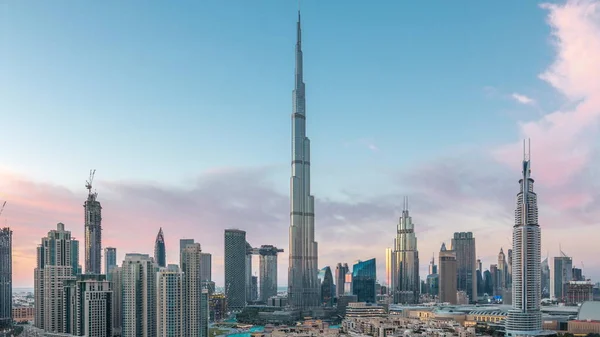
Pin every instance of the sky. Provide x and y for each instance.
(183, 108)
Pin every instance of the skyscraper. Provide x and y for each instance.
(303, 283)
(139, 296)
(191, 260)
(235, 269)
(268, 271)
(5, 278)
(340, 278)
(502, 270)
(110, 259)
(116, 277)
(406, 283)
(509, 264)
(204, 312)
(54, 266)
(88, 305)
(545, 269)
(447, 281)
(525, 318)
(327, 287)
(563, 273)
(463, 244)
(390, 265)
(206, 267)
(93, 230)
(249, 285)
(364, 277)
(160, 253)
(170, 297)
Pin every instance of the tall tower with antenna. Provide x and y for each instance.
(93, 229)
(405, 287)
(525, 318)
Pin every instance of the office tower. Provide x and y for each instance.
(448, 272)
(577, 274)
(340, 278)
(204, 312)
(93, 230)
(563, 273)
(327, 287)
(509, 264)
(480, 286)
(432, 265)
(488, 283)
(545, 270)
(110, 259)
(160, 252)
(139, 296)
(463, 244)
(502, 270)
(206, 267)
(525, 317)
(364, 277)
(249, 290)
(5, 278)
(235, 269)
(268, 271)
(303, 283)
(405, 279)
(116, 277)
(170, 300)
(496, 291)
(53, 267)
(192, 260)
(88, 306)
(390, 264)
(432, 283)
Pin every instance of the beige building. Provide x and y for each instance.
(448, 276)
(23, 314)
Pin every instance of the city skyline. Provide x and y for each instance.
(443, 176)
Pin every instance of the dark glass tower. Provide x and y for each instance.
(5, 278)
(235, 269)
(327, 287)
(364, 277)
(160, 253)
(463, 244)
(93, 230)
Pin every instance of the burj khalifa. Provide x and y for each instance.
(303, 284)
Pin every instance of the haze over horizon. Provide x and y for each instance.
(184, 110)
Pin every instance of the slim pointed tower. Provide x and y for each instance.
(160, 253)
(303, 283)
(525, 318)
(406, 282)
(93, 229)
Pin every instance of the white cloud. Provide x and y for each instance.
(523, 99)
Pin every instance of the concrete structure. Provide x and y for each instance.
(160, 251)
(116, 277)
(267, 271)
(218, 307)
(303, 284)
(340, 278)
(54, 266)
(405, 282)
(525, 318)
(577, 292)
(447, 282)
(88, 305)
(110, 259)
(191, 262)
(463, 244)
(235, 269)
(92, 230)
(23, 314)
(139, 296)
(170, 302)
(5, 278)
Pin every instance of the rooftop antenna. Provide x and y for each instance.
(2, 208)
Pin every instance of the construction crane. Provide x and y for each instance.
(88, 183)
(2, 209)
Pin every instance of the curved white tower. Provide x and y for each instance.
(303, 283)
(525, 318)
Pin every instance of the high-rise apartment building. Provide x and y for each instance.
(160, 252)
(204, 312)
(5, 278)
(235, 269)
(406, 284)
(340, 278)
(303, 282)
(139, 296)
(93, 230)
(192, 260)
(115, 276)
(327, 287)
(364, 278)
(525, 318)
(268, 271)
(563, 273)
(170, 302)
(75, 256)
(448, 272)
(110, 259)
(463, 244)
(88, 306)
(206, 267)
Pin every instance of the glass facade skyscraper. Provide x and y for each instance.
(5, 277)
(160, 252)
(235, 268)
(364, 277)
(327, 287)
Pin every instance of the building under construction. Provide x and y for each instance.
(93, 229)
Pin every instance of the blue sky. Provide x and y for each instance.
(403, 97)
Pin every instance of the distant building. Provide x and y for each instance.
(340, 278)
(577, 292)
(116, 277)
(170, 302)
(204, 312)
(463, 244)
(447, 267)
(327, 287)
(23, 314)
(577, 274)
(545, 270)
(191, 260)
(110, 259)
(139, 296)
(235, 266)
(160, 252)
(364, 277)
(5, 278)
(93, 231)
(268, 270)
(218, 307)
(563, 273)
(88, 305)
(206, 267)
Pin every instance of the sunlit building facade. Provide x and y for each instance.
(364, 278)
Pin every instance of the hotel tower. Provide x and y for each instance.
(303, 283)
(525, 318)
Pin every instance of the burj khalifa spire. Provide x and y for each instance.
(303, 284)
